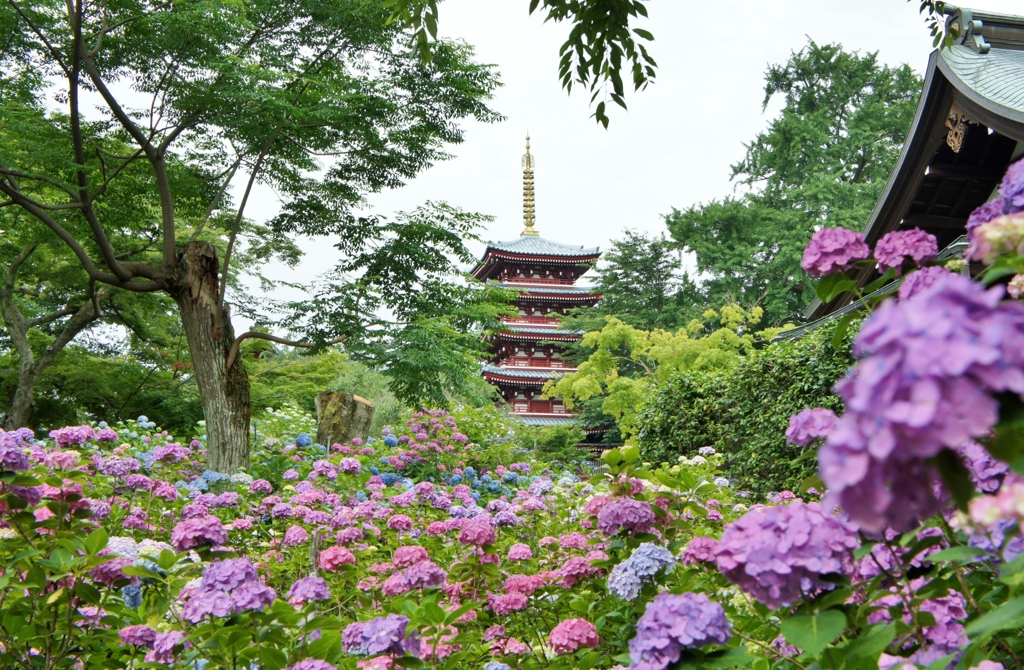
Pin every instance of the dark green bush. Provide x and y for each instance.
(744, 412)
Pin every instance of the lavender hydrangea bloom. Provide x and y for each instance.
(915, 282)
(810, 424)
(929, 366)
(832, 249)
(986, 472)
(312, 664)
(308, 589)
(984, 214)
(228, 574)
(193, 533)
(778, 554)
(12, 455)
(900, 246)
(228, 587)
(672, 623)
(383, 635)
(624, 582)
(625, 514)
(1012, 188)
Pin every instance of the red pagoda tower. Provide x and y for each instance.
(527, 351)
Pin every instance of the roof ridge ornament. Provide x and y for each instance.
(528, 200)
(965, 29)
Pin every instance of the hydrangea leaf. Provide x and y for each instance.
(1007, 616)
(813, 633)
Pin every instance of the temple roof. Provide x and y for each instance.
(517, 330)
(520, 372)
(542, 421)
(968, 128)
(562, 290)
(538, 246)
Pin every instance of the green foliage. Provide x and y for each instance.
(743, 411)
(822, 162)
(642, 283)
(626, 364)
(555, 444)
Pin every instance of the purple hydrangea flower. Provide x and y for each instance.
(12, 455)
(986, 472)
(984, 214)
(915, 282)
(700, 550)
(832, 249)
(643, 565)
(1012, 188)
(311, 664)
(929, 368)
(625, 514)
(308, 589)
(383, 635)
(193, 533)
(163, 647)
(228, 574)
(138, 635)
(810, 424)
(778, 554)
(624, 582)
(672, 623)
(900, 246)
(228, 587)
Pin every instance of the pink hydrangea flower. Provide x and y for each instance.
(571, 634)
(833, 249)
(520, 552)
(333, 558)
(895, 249)
(479, 534)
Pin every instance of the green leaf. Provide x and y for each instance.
(96, 541)
(842, 327)
(871, 643)
(831, 286)
(1008, 615)
(813, 633)
(955, 554)
(728, 658)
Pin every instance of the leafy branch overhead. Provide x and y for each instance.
(603, 45)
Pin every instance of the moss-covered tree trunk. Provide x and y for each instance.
(341, 417)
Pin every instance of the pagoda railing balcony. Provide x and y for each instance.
(534, 362)
(538, 407)
(555, 281)
(530, 320)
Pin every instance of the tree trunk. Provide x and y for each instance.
(223, 392)
(341, 417)
(29, 367)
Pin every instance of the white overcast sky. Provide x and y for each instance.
(671, 148)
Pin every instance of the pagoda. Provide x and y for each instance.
(529, 348)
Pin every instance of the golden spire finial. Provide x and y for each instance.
(528, 208)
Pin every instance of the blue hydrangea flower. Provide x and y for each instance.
(496, 665)
(321, 448)
(469, 472)
(456, 479)
(303, 440)
(391, 441)
(133, 435)
(146, 459)
(389, 478)
(143, 418)
(132, 596)
(486, 479)
(211, 477)
(198, 485)
(374, 470)
(624, 582)
(361, 496)
(241, 478)
(494, 487)
(407, 483)
(649, 559)
(383, 460)
(103, 424)
(510, 478)
(474, 495)
(180, 484)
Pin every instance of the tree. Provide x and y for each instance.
(626, 364)
(322, 101)
(822, 162)
(642, 283)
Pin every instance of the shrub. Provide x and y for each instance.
(743, 412)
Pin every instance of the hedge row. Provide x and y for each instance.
(743, 412)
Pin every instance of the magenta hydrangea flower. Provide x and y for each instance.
(193, 533)
(929, 368)
(625, 514)
(833, 249)
(571, 634)
(810, 424)
(672, 623)
(478, 534)
(72, 435)
(138, 635)
(308, 589)
(700, 550)
(506, 603)
(424, 575)
(260, 486)
(400, 522)
(915, 282)
(779, 554)
(520, 552)
(900, 246)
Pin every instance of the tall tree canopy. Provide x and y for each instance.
(642, 282)
(166, 104)
(822, 162)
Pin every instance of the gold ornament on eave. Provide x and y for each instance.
(528, 202)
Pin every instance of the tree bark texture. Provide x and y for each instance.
(30, 367)
(223, 391)
(342, 417)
